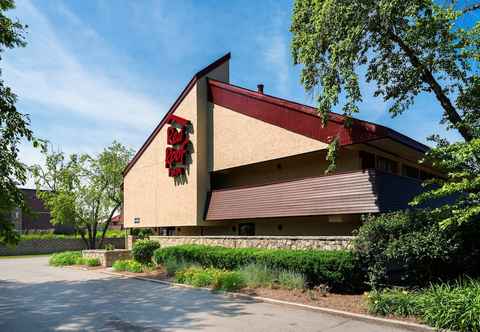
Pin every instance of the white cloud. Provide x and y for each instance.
(48, 74)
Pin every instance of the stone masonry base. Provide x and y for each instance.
(271, 242)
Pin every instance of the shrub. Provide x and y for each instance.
(120, 265)
(172, 265)
(142, 250)
(109, 247)
(215, 278)
(411, 249)
(396, 302)
(65, 258)
(229, 281)
(453, 306)
(127, 265)
(91, 261)
(335, 268)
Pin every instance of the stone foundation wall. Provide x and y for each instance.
(47, 246)
(107, 257)
(271, 242)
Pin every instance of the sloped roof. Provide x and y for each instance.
(298, 118)
(172, 109)
(302, 119)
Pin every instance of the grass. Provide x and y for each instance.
(453, 306)
(257, 275)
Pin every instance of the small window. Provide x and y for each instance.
(410, 171)
(136, 220)
(246, 229)
(368, 160)
(386, 165)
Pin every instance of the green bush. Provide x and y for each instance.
(91, 261)
(65, 258)
(127, 265)
(334, 268)
(393, 302)
(172, 265)
(142, 250)
(120, 265)
(229, 281)
(410, 249)
(453, 306)
(215, 278)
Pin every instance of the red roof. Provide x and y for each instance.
(298, 118)
(301, 119)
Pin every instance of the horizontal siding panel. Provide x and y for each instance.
(326, 195)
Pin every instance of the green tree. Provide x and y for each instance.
(14, 127)
(405, 47)
(83, 191)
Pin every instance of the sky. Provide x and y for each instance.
(98, 71)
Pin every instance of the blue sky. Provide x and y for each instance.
(98, 71)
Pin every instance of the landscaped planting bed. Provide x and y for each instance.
(69, 258)
(335, 269)
(454, 306)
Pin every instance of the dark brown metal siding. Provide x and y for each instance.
(345, 193)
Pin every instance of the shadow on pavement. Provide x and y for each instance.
(111, 304)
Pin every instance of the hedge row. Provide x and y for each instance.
(336, 269)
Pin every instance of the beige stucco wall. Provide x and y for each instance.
(239, 140)
(153, 196)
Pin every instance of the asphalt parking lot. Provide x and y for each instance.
(37, 297)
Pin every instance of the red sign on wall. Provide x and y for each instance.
(177, 137)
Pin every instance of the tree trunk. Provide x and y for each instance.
(94, 236)
(107, 224)
(91, 239)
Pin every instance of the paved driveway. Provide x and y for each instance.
(36, 297)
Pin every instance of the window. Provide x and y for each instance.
(368, 160)
(246, 229)
(386, 165)
(410, 171)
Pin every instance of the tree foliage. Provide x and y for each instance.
(406, 48)
(82, 190)
(14, 127)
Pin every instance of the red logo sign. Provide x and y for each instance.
(178, 139)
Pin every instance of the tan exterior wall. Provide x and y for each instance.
(154, 197)
(239, 140)
(292, 226)
(295, 167)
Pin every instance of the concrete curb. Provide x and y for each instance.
(344, 314)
